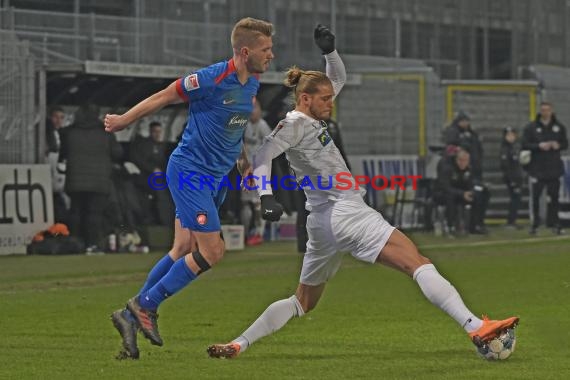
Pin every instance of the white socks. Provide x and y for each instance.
(436, 288)
(442, 294)
(271, 320)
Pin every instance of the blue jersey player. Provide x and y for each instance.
(220, 100)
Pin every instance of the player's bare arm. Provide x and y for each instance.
(169, 95)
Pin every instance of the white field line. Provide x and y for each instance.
(496, 242)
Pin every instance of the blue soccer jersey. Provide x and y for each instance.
(218, 114)
(211, 143)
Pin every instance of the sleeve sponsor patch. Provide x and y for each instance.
(191, 82)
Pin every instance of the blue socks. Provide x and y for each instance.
(177, 278)
(157, 272)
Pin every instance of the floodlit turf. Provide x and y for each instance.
(372, 323)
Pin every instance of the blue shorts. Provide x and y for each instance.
(197, 197)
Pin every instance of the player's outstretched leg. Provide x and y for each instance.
(127, 328)
(271, 320)
(400, 253)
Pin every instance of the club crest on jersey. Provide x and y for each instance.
(202, 217)
(324, 137)
(237, 121)
(191, 82)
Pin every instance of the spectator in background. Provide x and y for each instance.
(456, 190)
(545, 137)
(149, 154)
(255, 132)
(460, 134)
(61, 202)
(54, 123)
(89, 152)
(512, 173)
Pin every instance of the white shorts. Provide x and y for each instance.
(347, 225)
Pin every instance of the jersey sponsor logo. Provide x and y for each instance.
(202, 217)
(238, 121)
(556, 128)
(324, 138)
(191, 82)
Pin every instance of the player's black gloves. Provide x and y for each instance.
(270, 209)
(324, 39)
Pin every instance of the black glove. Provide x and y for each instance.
(324, 39)
(270, 209)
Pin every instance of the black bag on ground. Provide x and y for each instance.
(56, 245)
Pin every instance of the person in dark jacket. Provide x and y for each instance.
(54, 123)
(545, 137)
(512, 173)
(149, 154)
(54, 126)
(456, 188)
(460, 134)
(89, 153)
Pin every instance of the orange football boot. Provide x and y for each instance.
(492, 329)
(224, 351)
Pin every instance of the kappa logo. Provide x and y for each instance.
(191, 82)
(202, 218)
(238, 121)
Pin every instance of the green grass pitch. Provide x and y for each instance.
(372, 323)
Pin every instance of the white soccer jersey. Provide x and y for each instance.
(316, 161)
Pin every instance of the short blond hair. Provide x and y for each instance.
(247, 30)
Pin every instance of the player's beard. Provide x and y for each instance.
(255, 67)
(319, 115)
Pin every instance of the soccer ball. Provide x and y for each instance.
(499, 348)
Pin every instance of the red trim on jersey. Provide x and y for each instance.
(231, 69)
(179, 89)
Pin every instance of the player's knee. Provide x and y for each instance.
(179, 249)
(215, 254)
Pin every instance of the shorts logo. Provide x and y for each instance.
(191, 82)
(202, 217)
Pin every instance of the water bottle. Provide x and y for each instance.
(438, 228)
(113, 243)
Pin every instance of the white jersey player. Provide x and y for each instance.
(340, 221)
